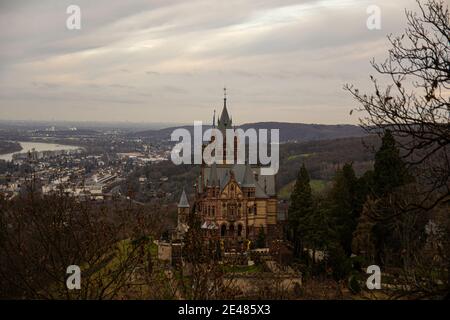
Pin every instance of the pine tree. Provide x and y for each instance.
(261, 239)
(389, 174)
(317, 229)
(345, 205)
(389, 169)
(300, 208)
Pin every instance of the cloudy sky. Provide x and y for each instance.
(168, 60)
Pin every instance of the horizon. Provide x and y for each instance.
(165, 124)
(281, 61)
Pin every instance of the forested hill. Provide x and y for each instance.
(289, 132)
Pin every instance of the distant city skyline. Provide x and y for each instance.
(168, 61)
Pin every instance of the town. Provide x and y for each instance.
(95, 166)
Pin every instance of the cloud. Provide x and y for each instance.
(163, 58)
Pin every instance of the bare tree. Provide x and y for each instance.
(415, 107)
(202, 276)
(40, 236)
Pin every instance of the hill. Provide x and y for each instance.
(289, 132)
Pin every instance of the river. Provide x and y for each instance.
(37, 146)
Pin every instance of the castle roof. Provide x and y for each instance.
(225, 121)
(244, 175)
(183, 201)
(249, 178)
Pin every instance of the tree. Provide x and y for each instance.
(300, 208)
(204, 276)
(344, 206)
(415, 107)
(318, 228)
(389, 169)
(261, 239)
(338, 260)
(42, 235)
(389, 175)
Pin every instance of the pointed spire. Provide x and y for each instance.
(183, 201)
(214, 119)
(224, 120)
(213, 176)
(225, 97)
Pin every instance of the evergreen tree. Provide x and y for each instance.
(389, 174)
(389, 169)
(345, 205)
(194, 250)
(317, 228)
(339, 262)
(261, 239)
(300, 208)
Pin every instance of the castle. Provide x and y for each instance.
(236, 203)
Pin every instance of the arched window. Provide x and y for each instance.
(231, 230)
(239, 230)
(223, 230)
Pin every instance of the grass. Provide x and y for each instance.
(119, 255)
(302, 155)
(243, 269)
(316, 186)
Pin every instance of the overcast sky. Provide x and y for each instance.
(168, 60)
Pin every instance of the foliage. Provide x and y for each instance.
(43, 235)
(301, 206)
(261, 239)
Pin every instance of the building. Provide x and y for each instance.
(236, 203)
(183, 212)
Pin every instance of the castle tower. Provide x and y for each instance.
(183, 209)
(226, 122)
(234, 201)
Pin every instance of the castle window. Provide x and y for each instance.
(223, 230)
(231, 230)
(239, 230)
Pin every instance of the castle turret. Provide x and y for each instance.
(183, 208)
(225, 121)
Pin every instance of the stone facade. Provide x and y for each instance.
(237, 205)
